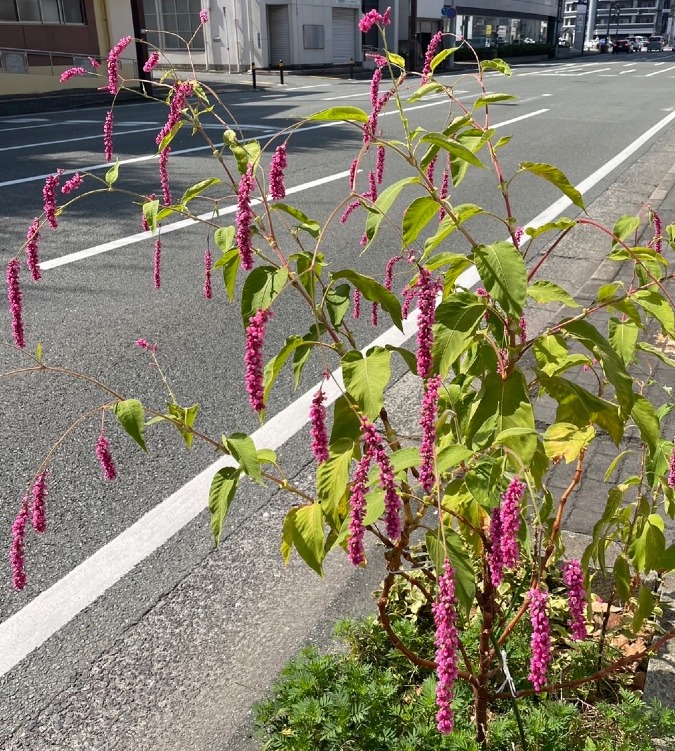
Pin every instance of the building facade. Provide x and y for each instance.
(39, 39)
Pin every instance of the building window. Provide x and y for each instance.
(167, 20)
(42, 11)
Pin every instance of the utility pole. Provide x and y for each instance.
(412, 36)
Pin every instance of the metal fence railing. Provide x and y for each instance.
(22, 61)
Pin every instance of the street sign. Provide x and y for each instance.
(448, 11)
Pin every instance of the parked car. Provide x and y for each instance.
(655, 44)
(622, 45)
(640, 42)
(634, 47)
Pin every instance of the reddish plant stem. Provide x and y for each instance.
(486, 603)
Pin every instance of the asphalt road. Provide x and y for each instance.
(156, 661)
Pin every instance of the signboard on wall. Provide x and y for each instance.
(580, 26)
(347, 4)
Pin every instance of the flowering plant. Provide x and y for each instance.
(476, 480)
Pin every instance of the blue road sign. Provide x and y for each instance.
(448, 11)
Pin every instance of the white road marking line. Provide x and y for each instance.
(98, 136)
(662, 70)
(26, 120)
(47, 613)
(630, 70)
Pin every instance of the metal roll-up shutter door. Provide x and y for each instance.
(344, 35)
(279, 30)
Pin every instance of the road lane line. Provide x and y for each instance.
(661, 70)
(98, 136)
(47, 613)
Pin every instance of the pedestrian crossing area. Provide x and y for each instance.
(600, 69)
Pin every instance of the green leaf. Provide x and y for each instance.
(131, 416)
(612, 365)
(166, 141)
(659, 353)
(623, 337)
(343, 112)
(647, 549)
(307, 534)
(261, 288)
(230, 264)
(496, 64)
(150, 209)
(267, 456)
(667, 560)
(245, 154)
(450, 456)
(186, 416)
(615, 463)
(306, 224)
(625, 226)
(453, 147)
(346, 424)
(580, 407)
(302, 353)
(198, 188)
(383, 203)
(273, 367)
(564, 440)
(465, 577)
(365, 378)
(555, 177)
(559, 225)
(223, 487)
(487, 99)
(337, 303)
(332, 479)
(645, 418)
(544, 291)
(508, 402)
(112, 174)
(657, 306)
(375, 292)
(645, 607)
(224, 238)
(504, 275)
(244, 451)
(622, 577)
(418, 214)
(310, 268)
(457, 319)
(428, 88)
(440, 56)
(409, 357)
(448, 225)
(396, 60)
(612, 292)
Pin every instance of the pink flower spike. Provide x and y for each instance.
(436, 40)
(317, 418)
(447, 647)
(357, 510)
(374, 444)
(157, 264)
(428, 417)
(73, 184)
(277, 167)
(573, 577)
(144, 344)
(386, 17)
(164, 175)
(518, 235)
(352, 173)
(71, 73)
(208, 289)
(244, 218)
(203, 16)
(540, 642)
(348, 211)
(356, 310)
(253, 358)
(374, 314)
(151, 62)
(107, 136)
(17, 555)
(94, 63)
(379, 164)
(430, 170)
(389, 272)
(49, 197)
(103, 445)
(39, 498)
(15, 298)
(32, 240)
(671, 469)
(369, 20)
(428, 287)
(510, 521)
(658, 233)
(114, 63)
